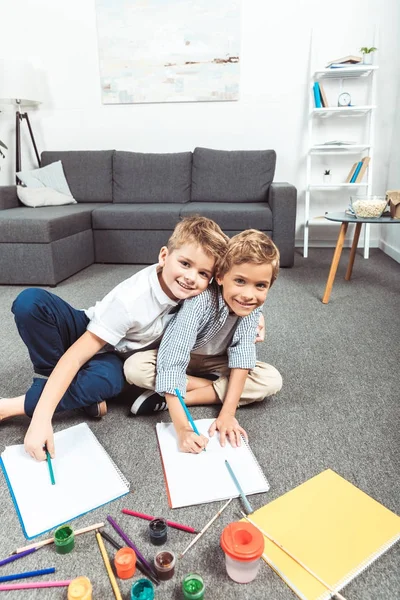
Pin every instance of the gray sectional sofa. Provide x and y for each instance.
(130, 202)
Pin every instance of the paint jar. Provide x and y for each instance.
(193, 587)
(243, 545)
(142, 589)
(64, 539)
(125, 563)
(80, 589)
(164, 564)
(158, 529)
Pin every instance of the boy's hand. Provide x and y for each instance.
(39, 434)
(260, 337)
(228, 427)
(189, 441)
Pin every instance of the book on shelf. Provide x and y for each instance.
(345, 60)
(324, 99)
(356, 172)
(365, 162)
(350, 175)
(338, 143)
(317, 95)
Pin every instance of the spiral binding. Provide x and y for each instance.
(256, 462)
(362, 567)
(120, 473)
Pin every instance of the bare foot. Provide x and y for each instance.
(11, 407)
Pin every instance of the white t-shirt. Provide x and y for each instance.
(134, 314)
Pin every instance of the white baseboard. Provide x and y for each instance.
(390, 250)
(332, 243)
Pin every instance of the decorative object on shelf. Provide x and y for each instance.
(344, 99)
(368, 54)
(327, 176)
(368, 207)
(393, 197)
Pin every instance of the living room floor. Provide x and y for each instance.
(338, 409)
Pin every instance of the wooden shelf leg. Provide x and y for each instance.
(335, 262)
(353, 251)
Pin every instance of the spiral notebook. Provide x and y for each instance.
(329, 525)
(200, 478)
(85, 475)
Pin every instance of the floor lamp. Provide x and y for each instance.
(20, 87)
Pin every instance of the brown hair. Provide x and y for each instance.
(250, 246)
(201, 231)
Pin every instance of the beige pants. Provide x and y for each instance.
(262, 381)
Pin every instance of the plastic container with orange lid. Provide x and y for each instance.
(80, 589)
(125, 563)
(243, 545)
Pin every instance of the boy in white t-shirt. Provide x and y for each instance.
(82, 352)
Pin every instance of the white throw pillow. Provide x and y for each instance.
(42, 196)
(51, 176)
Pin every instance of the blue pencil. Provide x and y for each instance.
(27, 574)
(187, 413)
(239, 489)
(48, 457)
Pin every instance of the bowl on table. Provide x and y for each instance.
(368, 207)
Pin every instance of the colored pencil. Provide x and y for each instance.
(139, 565)
(239, 489)
(198, 536)
(13, 557)
(27, 574)
(107, 564)
(48, 458)
(110, 540)
(129, 543)
(133, 513)
(328, 587)
(31, 586)
(187, 413)
(51, 540)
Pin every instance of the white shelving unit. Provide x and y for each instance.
(327, 117)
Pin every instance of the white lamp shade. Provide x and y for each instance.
(20, 81)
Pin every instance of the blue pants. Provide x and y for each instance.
(49, 326)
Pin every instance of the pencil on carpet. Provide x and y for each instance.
(107, 564)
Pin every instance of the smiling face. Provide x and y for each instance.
(186, 271)
(245, 287)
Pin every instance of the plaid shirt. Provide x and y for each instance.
(196, 323)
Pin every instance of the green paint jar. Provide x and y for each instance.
(64, 539)
(142, 589)
(193, 587)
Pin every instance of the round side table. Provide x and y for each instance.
(345, 219)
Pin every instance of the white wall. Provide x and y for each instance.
(390, 234)
(61, 38)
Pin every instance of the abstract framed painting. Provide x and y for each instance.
(168, 50)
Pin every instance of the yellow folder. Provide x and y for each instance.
(329, 525)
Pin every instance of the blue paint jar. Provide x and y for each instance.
(158, 530)
(142, 589)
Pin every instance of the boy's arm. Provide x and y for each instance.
(188, 440)
(226, 422)
(40, 431)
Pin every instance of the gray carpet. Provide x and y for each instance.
(338, 408)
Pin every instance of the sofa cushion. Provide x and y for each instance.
(52, 176)
(43, 196)
(88, 173)
(232, 175)
(137, 216)
(147, 178)
(45, 224)
(252, 215)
